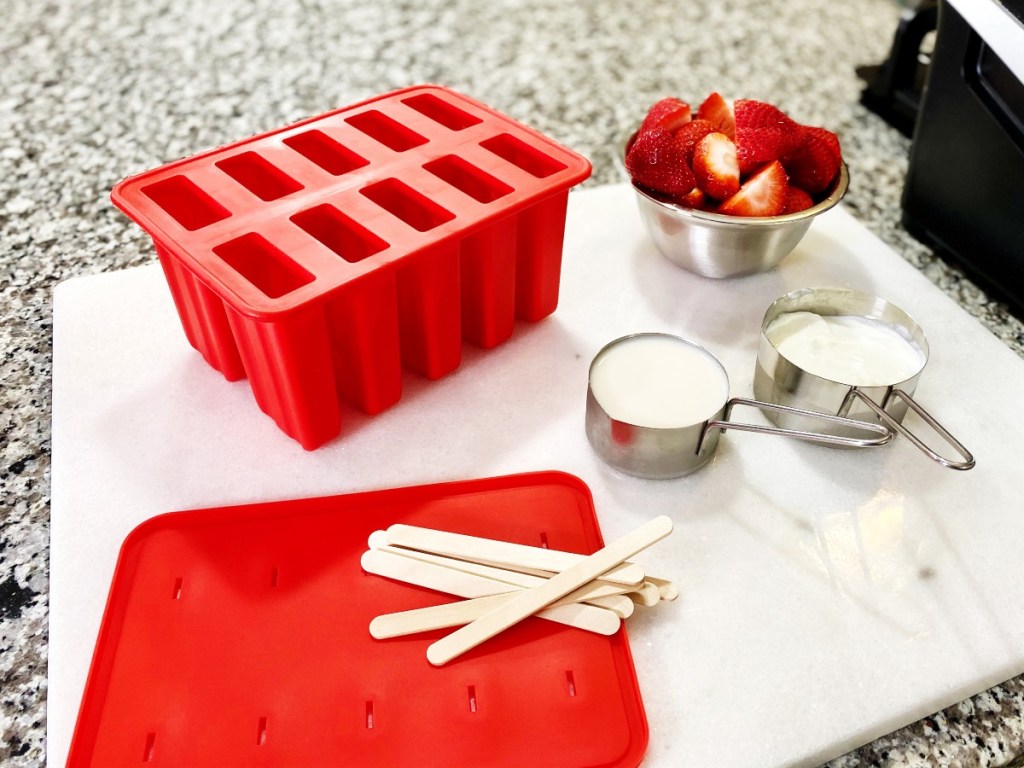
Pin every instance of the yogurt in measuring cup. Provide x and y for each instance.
(852, 349)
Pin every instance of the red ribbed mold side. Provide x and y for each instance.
(488, 283)
(290, 368)
(202, 317)
(363, 325)
(539, 257)
(428, 311)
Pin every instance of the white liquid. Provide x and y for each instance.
(859, 351)
(658, 381)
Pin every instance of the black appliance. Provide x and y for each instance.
(964, 192)
(895, 86)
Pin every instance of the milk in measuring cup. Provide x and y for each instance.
(659, 382)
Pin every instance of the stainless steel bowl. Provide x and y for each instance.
(715, 245)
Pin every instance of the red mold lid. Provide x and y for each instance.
(290, 216)
(239, 636)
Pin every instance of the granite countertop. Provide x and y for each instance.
(91, 92)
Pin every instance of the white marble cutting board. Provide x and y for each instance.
(828, 597)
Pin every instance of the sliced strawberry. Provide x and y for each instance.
(669, 113)
(797, 200)
(695, 198)
(657, 161)
(718, 112)
(763, 194)
(715, 166)
(815, 161)
(691, 133)
(763, 133)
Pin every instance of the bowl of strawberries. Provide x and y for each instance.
(730, 188)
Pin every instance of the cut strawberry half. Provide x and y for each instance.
(718, 112)
(715, 167)
(691, 133)
(814, 162)
(797, 200)
(695, 198)
(670, 114)
(763, 194)
(763, 133)
(657, 161)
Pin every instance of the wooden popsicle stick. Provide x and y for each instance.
(667, 589)
(600, 585)
(431, 576)
(401, 623)
(647, 595)
(379, 540)
(610, 596)
(588, 593)
(504, 575)
(530, 601)
(620, 605)
(601, 594)
(437, 577)
(501, 553)
(544, 574)
(433, 617)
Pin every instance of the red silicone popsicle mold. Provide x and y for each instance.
(319, 259)
(239, 636)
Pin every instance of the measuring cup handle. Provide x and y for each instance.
(968, 459)
(884, 434)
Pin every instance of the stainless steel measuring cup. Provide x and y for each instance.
(778, 380)
(677, 449)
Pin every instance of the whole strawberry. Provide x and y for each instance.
(797, 200)
(717, 111)
(657, 160)
(669, 113)
(691, 133)
(763, 133)
(815, 161)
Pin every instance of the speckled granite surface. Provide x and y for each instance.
(93, 91)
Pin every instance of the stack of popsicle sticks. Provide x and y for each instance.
(504, 583)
